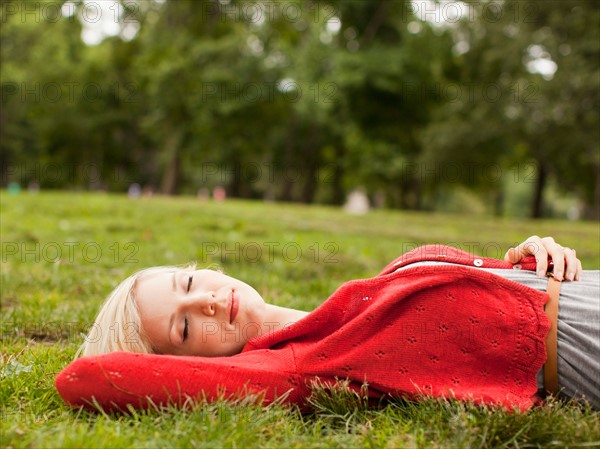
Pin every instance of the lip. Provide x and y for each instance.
(235, 305)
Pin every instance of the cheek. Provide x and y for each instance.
(222, 344)
(150, 329)
(208, 333)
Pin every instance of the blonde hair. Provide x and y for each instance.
(118, 326)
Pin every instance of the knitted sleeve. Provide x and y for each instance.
(118, 380)
(444, 253)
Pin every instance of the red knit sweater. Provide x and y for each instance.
(445, 331)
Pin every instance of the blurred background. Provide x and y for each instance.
(483, 107)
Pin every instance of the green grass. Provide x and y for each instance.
(295, 256)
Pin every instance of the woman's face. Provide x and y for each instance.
(202, 312)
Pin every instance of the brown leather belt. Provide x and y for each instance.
(551, 308)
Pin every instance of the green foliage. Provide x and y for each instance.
(322, 97)
(505, 114)
(62, 253)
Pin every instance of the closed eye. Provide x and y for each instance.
(190, 279)
(185, 329)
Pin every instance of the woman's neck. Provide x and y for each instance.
(278, 317)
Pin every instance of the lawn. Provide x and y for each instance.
(63, 252)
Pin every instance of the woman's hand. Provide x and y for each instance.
(565, 259)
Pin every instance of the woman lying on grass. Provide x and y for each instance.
(437, 322)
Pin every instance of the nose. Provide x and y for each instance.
(205, 302)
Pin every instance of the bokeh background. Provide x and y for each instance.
(483, 107)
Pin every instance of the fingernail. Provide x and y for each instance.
(570, 276)
(541, 273)
(558, 275)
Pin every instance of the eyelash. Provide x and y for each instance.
(185, 320)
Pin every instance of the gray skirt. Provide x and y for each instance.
(578, 333)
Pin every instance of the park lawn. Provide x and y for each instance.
(63, 252)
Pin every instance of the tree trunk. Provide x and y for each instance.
(290, 144)
(499, 202)
(337, 188)
(592, 210)
(410, 194)
(538, 194)
(375, 22)
(5, 169)
(234, 186)
(172, 175)
(311, 163)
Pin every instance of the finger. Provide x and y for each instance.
(557, 254)
(512, 255)
(535, 246)
(570, 264)
(579, 271)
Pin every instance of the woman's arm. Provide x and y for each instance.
(119, 380)
(564, 259)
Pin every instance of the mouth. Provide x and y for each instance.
(234, 307)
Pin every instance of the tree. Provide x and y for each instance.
(549, 115)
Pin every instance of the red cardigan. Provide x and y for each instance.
(443, 331)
